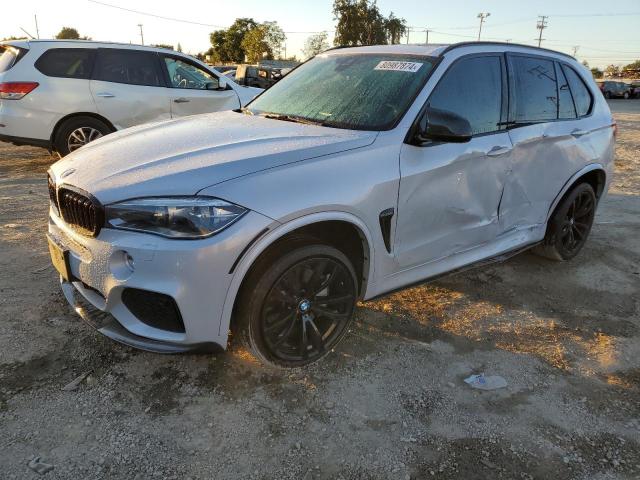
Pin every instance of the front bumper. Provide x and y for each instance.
(194, 273)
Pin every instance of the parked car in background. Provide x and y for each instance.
(364, 170)
(612, 89)
(63, 94)
(635, 90)
(258, 76)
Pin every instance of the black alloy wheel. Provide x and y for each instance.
(570, 224)
(300, 306)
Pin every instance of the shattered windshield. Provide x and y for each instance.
(352, 91)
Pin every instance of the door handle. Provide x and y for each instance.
(181, 100)
(105, 95)
(578, 133)
(497, 151)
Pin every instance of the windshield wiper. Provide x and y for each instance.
(292, 118)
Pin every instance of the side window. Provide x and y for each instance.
(472, 88)
(581, 94)
(566, 109)
(535, 89)
(132, 67)
(186, 75)
(66, 62)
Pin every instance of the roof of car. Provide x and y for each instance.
(437, 50)
(86, 43)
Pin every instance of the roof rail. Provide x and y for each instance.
(469, 44)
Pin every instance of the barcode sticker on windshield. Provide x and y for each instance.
(411, 67)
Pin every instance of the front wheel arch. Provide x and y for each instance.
(269, 239)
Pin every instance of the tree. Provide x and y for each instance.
(179, 48)
(233, 51)
(396, 28)
(597, 73)
(274, 36)
(255, 44)
(68, 33)
(631, 70)
(6, 39)
(612, 71)
(361, 23)
(164, 45)
(315, 44)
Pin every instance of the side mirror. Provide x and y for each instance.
(222, 83)
(442, 126)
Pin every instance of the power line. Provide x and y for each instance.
(162, 17)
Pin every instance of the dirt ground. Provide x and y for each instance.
(389, 403)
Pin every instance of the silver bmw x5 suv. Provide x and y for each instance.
(363, 171)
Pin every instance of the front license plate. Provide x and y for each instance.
(59, 258)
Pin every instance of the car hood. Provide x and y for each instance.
(181, 157)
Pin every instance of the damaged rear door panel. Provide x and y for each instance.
(550, 140)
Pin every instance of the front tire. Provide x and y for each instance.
(76, 132)
(296, 307)
(570, 224)
(626, 95)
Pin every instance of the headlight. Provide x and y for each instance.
(174, 217)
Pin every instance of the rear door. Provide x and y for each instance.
(546, 133)
(195, 90)
(450, 193)
(129, 88)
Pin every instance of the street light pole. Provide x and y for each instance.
(141, 34)
(482, 17)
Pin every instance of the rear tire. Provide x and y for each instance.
(607, 95)
(297, 304)
(76, 132)
(570, 224)
(626, 95)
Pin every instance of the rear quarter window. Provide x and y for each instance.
(67, 62)
(581, 94)
(9, 56)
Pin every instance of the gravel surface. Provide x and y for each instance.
(389, 403)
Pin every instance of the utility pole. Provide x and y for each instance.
(482, 17)
(575, 50)
(37, 30)
(542, 24)
(426, 42)
(408, 31)
(141, 34)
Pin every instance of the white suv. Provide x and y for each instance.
(63, 94)
(362, 171)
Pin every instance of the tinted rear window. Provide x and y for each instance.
(67, 62)
(9, 56)
(535, 89)
(581, 95)
(128, 66)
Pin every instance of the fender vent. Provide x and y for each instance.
(385, 227)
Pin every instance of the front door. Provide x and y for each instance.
(450, 193)
(195, 90)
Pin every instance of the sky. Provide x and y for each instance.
(603, 32)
